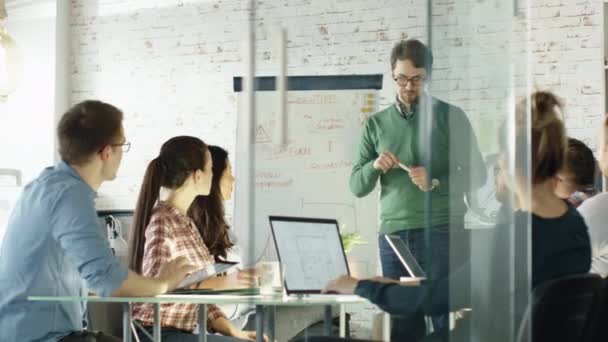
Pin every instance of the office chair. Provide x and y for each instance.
(598, 329)
(107, 317)
(328, 339)
(563, 309)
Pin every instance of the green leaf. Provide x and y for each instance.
(349, 240)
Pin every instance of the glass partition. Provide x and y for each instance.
(481, 66)
(385, 135)
(329, 101)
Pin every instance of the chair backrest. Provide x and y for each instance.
(563, 309)
(107, 317)
(598, 330)
(117, 224)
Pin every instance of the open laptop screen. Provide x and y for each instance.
(310, 252)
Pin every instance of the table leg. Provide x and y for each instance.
(259, 323)
(202, 323)
(126, 322)
(327, 321)
(342, 321)
(156, 327)
(386, 327)
(271, 313)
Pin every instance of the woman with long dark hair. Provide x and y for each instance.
(162, 230)
(208, 212)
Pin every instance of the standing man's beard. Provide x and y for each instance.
(408, 97)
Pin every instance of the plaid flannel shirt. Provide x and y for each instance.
(170, 235)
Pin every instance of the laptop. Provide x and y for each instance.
(310, 253)
(406, 257)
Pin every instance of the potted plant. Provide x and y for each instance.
(349, 240)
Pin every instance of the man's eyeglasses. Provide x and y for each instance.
(126, 146)
(403, 80)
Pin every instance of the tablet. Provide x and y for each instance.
(405, 256)
(209, 271)
(247, 291)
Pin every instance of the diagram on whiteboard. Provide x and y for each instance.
(261, 136)
(309, 174)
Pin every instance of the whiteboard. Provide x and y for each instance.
(309, 175)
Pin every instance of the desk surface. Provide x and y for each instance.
(274, 300)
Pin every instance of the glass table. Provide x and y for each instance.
(260, 302)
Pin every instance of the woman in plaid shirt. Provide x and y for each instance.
(162, 231)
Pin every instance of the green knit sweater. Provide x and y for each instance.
(455, 161)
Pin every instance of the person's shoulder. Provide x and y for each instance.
(446, 108)
(572, 221)
(384, 113)
(594, 205)
(54, 185)
(449, 116)
(573, 213)
(163, 219)
(380, 118)
(161, 212)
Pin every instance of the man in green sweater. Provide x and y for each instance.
(425, 154)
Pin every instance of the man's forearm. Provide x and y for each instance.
(223, 326)
(139, 286)
(392, 298)
(363, 179)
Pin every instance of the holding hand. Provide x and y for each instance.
(248, 335)
(241, 279)
(418, 175)
(343, 285)
(175, 271)
(384, 280)
(223, 326)
(406, 282)
(347, 284)
(385, 161)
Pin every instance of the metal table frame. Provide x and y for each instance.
(265, 309)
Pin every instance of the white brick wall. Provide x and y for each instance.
(171, 67)
(483, 50)
(568, 59)
(169, 64)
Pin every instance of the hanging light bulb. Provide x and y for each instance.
(10, 58)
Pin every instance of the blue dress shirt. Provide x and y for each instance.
(54, 245)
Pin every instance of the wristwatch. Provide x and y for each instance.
(434, 184)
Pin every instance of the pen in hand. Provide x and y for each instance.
(404, 167)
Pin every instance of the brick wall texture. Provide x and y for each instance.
(169, 63)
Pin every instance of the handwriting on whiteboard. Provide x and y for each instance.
(331, 165)
(313, 99)
(272, 180)
(291, 151)
(330, 124)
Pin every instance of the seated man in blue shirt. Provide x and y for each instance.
(54, 245)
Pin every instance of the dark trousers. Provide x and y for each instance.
(413, 328)
(89, 336)
(176, 335)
